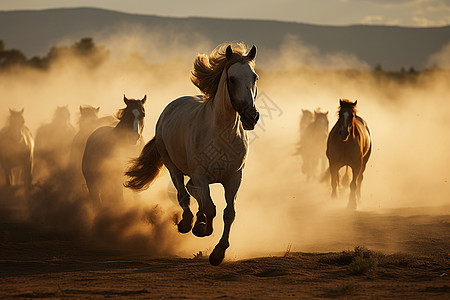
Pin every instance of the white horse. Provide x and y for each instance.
(203, 137)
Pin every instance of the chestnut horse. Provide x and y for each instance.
(349, 144)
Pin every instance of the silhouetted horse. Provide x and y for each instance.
(306, 119)
(53, 143)
(349, 144)
(16, 150)
(107, 150)
(314, 145)
(205, 138)
(88, 122)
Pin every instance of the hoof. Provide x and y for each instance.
(199, 229)
(216, 257)
(185, 225)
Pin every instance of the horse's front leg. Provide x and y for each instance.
(26, 177)
(356, 170)
(8, 176)
(334, 174)
(231, 187)
(198, 186)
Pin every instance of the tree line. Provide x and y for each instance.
(92, 55)
(84, 50)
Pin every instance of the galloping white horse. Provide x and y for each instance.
(203, 137)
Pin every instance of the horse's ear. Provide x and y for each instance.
(341, 102)
(97, 109)
(326, 113)
(22, 110)
(252, 53)
(229, 52)
(125, 99)
(356, 101)
(81, 108)
(144, 99)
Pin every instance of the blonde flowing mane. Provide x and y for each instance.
(208, 69)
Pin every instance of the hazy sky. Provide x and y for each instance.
(327, 12)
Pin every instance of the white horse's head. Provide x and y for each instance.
(241, 81)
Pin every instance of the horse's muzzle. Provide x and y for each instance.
(249, 118)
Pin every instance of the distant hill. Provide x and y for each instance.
(34, 32)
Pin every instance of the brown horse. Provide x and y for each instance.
(16, 150)
(107, 150)
(349, 144)
(204, 138)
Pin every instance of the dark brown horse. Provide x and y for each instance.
(107, 150)
(88, 122)
(349, 144)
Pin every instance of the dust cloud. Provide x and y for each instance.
(276, 207)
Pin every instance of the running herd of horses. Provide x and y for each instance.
(200, 137)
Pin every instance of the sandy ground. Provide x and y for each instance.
(40, 263)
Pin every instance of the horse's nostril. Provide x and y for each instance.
(257, 117)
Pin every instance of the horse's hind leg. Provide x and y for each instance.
(231, 187)
(185, 225)
(198, 187)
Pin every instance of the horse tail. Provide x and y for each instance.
(145, 168)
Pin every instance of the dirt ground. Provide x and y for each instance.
(40, 263)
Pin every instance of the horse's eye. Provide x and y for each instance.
(232, 79)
